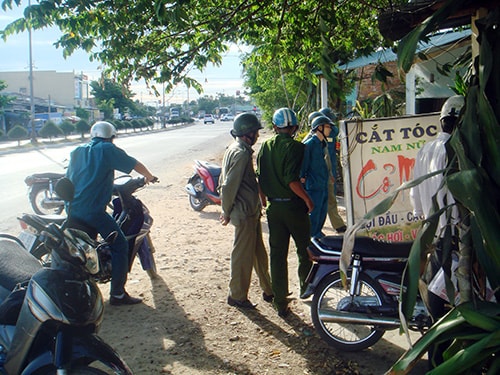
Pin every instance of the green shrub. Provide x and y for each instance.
(82, 127)
(17, 133)
(67, 128)
(50, 130)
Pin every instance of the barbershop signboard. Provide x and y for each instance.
(378, 155)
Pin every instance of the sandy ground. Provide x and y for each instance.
(184, 325)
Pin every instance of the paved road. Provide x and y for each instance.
(157, 150)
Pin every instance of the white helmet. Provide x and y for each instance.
(452, 106)
(102, 129)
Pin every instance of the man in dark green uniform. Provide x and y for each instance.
(278, 169)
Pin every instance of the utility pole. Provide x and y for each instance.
(32, 96)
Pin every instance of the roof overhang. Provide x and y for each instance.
(398, 21)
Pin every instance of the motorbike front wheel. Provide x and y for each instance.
(85, 370)
(330, 296)
(197, 204)
(44, 202)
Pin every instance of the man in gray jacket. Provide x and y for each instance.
(242, 207)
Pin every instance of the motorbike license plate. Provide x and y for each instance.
(28, 239)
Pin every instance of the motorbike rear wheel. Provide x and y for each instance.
(331, 296)
(197, 204)
(39, 196)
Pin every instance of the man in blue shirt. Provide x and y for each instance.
(315, 173)
(91, 170)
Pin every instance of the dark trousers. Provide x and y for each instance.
(287, 219)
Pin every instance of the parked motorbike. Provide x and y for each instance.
(43, 198)
(202, 186)
(50, 316)
(131, 214)
(355, 319)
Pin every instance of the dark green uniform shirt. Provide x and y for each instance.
(278, 163)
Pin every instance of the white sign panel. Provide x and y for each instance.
(378, 155)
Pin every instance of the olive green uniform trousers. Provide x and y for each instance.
(248, 252)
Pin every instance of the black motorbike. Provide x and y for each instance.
(50, 316)
(357, 318)
(42, 195)
(131, 215)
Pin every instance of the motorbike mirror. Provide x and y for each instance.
(65, 189)
(111, 237)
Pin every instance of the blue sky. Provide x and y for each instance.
(14, 56)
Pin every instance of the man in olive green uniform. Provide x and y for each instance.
(278, 169)
(242, 207)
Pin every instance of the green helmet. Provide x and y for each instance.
(245, 123)
(313, 115)
(320, 120)
(328, 113)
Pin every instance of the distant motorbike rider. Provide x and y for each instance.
(91, 170)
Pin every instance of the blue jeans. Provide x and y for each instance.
(104, 225)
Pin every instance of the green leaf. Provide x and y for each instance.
(473, 191)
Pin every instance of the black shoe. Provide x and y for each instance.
(284, 312)
(246, 304)
(125, 300)
(267, 297)
(307, 293)
(342, 229)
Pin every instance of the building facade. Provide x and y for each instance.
(62, 89)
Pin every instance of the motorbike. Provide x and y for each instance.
(202, 185)
(130, 213)
(50, 316)
(355, 319)
(43, 198)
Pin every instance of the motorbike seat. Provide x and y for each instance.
(212, 168)
(53, 218)
(49, 175)
(368, 247)
(42, 178)
(16, 264)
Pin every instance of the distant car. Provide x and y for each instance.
(208, 118)
(227, 117)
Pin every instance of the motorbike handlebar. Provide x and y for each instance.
(131, 185)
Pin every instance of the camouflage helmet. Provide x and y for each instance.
(245, 123)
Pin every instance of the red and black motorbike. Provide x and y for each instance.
(203, 184)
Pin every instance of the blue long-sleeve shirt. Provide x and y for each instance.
(314, 168)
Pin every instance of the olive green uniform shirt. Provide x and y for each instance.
(238, 187)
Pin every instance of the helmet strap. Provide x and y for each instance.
(250, 138)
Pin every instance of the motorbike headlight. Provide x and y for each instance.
(81, 245)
